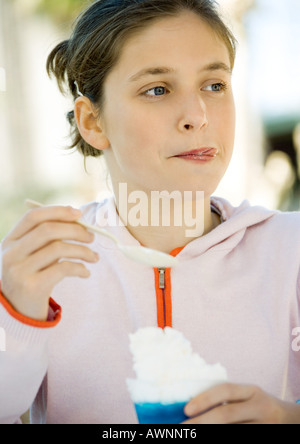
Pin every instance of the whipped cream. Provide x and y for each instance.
(167, 370)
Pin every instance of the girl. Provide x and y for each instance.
(151, 81)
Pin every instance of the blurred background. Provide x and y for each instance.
(265, 168)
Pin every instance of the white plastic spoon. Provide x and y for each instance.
(139, 254)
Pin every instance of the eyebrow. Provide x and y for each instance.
(215, 66)
(151, 71)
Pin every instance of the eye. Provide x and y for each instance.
(216, 87)
(155, 92)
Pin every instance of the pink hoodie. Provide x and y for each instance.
(235, 295)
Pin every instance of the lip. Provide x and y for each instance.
(200, 154)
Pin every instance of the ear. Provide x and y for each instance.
(89, 124)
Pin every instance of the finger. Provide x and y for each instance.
(47, 232)
(218, 395)
(34, 217)
(55, 252)
(231, 413)
(54, 274)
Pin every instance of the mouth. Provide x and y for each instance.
(202, 154)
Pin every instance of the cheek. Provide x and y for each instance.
(135, 133)
(124, 126)
(226, 125)
(131, 143)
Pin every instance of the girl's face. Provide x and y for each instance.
(170, 93)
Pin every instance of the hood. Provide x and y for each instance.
(235, 221)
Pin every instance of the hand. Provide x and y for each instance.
(32, 256)
(240, 404)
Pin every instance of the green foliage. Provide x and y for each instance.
(12, 203)
(61, 11)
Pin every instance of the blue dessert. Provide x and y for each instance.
(157, 413)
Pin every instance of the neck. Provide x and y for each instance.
(165, 221)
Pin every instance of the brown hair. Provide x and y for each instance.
(97, 40)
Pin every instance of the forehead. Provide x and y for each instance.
(172, 41)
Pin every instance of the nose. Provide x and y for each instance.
(194, 116)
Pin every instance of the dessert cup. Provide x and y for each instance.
(168, 375)
(165, 404)
(158, 413)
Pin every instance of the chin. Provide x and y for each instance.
(208, 187)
